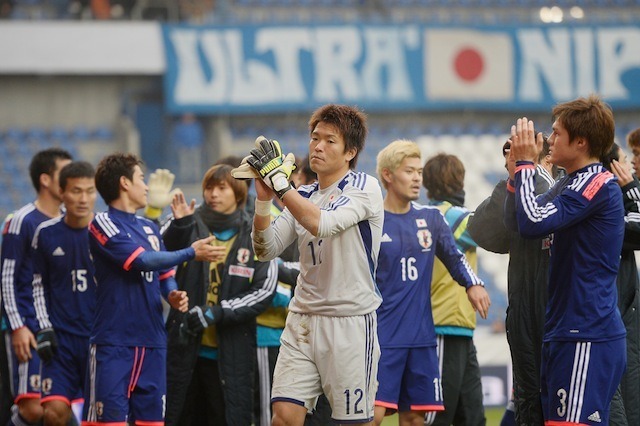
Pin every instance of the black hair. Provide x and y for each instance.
(45, 162)
(76, 169)
(110, 169)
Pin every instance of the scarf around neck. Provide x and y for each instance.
(217, 222)
(456, 199)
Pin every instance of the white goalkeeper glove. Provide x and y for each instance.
(160, 194)
(245, 171)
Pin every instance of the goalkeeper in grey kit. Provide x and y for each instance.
(338, 224)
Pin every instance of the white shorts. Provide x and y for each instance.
(337, 356)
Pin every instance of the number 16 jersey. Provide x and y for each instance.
(410, 242)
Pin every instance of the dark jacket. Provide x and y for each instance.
(240, 299)
(527, 295)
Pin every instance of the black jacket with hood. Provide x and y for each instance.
(527, 294)
(246, 290)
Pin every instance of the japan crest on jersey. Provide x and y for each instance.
(243, 255)
(154, 241)
(34, 381)
(424, 238)
(47, 384)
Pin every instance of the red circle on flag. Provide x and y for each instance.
(468, 64)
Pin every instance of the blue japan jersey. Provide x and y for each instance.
(64, 289)
(129, 305)
(17, 267)
(585, 212)
(410, 242)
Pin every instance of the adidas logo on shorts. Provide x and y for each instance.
(595, 417)
(386, 238)
(58, 252)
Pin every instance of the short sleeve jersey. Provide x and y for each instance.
(64, 285)
(337, 267)
(17, 267)
(129, 305)
(410, 243)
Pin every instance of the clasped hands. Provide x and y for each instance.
(266, 162)
(526, 145)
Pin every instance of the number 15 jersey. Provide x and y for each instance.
(64, 290)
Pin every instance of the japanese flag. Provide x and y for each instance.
(468, 65)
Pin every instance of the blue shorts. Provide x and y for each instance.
(125, 383)
(63, 378)
(409, 380)
(26, 377)
(578, 380)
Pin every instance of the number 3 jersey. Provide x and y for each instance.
(410, 242)
(129, 303)
(64, 290)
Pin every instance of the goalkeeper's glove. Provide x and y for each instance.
(273, 167)
(199, 318)
(245, 171)
(47, 344)
(160, 194)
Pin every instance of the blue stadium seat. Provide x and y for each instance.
(475, 129)
(14, 134)
(103, 133)
(435, 129)
(497, 129)
(80, 133)
(413, 130)
(455, 129)
(36, 134)
(58, 133)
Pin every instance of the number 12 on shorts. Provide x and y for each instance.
(355, 398)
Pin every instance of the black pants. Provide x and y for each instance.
(204, 404)
(267, 357)
(6, 396)
(461, 383)
(266, 363)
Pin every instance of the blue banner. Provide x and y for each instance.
(251, 69)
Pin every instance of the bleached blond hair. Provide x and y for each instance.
(394, 154)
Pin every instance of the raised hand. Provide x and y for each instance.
(160, 193)
(244, 170)
(525, 144)
(179, 206)
(622, 171)
(274, 168)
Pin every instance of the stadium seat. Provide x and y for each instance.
(35, 134)
(14, 134)
(103, 133)
(58, 133)
(80, 133)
